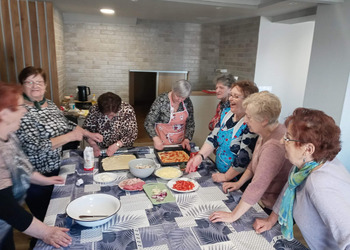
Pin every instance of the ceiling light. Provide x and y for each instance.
(107, 11)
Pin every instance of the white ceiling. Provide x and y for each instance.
(194, 11)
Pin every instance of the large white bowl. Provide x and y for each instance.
(93, 204)
(144, 172)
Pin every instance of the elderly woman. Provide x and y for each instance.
(16, 174)
(232, 139)
(222, 90)
(317, 194)
(269, 168)
(42, 132)
(115, 120)
(170, 119)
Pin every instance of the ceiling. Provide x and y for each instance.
(194, 11)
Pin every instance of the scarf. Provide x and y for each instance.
(36, 104)
(285, 215)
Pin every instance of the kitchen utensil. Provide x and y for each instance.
(83, 93)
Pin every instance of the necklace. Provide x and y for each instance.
(36, 103)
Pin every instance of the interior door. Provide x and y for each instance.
(166, 79)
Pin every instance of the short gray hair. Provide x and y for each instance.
(226, 80)
(182, 88)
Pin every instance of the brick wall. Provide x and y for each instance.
(238, 47)
(58, 25)
(100, 55)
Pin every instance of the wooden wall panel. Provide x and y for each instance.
(28, 38)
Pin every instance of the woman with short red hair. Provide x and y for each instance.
(317, 194)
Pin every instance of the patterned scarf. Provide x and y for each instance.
(36, 104)
(285, 215)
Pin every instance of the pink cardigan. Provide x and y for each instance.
(270, 169)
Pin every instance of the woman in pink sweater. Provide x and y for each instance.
(268, 168)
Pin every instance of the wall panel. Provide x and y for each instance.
(27, 38)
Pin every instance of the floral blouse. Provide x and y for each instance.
(36, 129)
(160, 113)
(122, 127)
(243, 146)
(216, 118)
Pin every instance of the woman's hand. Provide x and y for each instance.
(93, 136)
(186, 144)
(54, 180)
(112, 149)
(264, 224)
(76, 135)
(230, 186)
(158, 144)
(57, 237)
(42, 180)
(219, 177)
(193, 163)
(221, 216)
(97, 150)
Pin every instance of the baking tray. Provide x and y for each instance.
(101, 169)
(177, 148)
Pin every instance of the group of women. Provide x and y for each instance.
(253, 150)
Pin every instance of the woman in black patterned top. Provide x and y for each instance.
(115, 120)
(42, 132)
(170, 119)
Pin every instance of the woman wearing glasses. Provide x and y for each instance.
(317, 194)
(42, 132)
(268, 168)
(232, 139)
(16, 174)
(170, 119)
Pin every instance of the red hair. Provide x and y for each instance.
(9, 94)
(314, 126)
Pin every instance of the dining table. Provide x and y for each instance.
(182, 224)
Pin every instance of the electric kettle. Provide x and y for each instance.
(83, 92)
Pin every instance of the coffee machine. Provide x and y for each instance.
(83, 93)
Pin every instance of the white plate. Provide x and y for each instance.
(127, 189)
(172, 182)
(105, 177)
(165, 168)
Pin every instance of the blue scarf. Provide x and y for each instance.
(285, 215)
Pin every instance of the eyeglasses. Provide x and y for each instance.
(237, 97)
(286, 139)
(32, 83)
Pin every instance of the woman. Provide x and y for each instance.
(42, 132)
(269, 168)
(222, 90)
(170, 119)
(115, 120)
(317, 194)
(232, 139)
(16, 174)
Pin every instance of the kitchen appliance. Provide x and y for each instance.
(83, 93)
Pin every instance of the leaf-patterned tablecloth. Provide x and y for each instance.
(180, 225)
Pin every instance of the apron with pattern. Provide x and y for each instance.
(173, 132)
(224, 156)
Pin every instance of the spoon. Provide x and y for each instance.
(92, 216)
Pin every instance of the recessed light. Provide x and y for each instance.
(107, 11)
(134, 0)
(218, 8)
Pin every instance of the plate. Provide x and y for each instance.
(105, 177)
(121, 184)
(161, 186)
(172, 182)
(162, 173)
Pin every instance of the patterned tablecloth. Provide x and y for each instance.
(178, 225)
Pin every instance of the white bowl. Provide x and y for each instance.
(93, 204)
(142, 172)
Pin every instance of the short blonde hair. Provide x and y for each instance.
(264, 105)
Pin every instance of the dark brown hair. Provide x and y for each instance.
(247, 87)
(28, 71)
(108, 102)
(314, 126)
(9, 94)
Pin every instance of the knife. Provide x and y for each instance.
(92, 216)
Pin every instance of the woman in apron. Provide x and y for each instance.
(231, 138)
(170, 119)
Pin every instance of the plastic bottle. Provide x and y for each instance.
(71, 103)
(93, 99)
